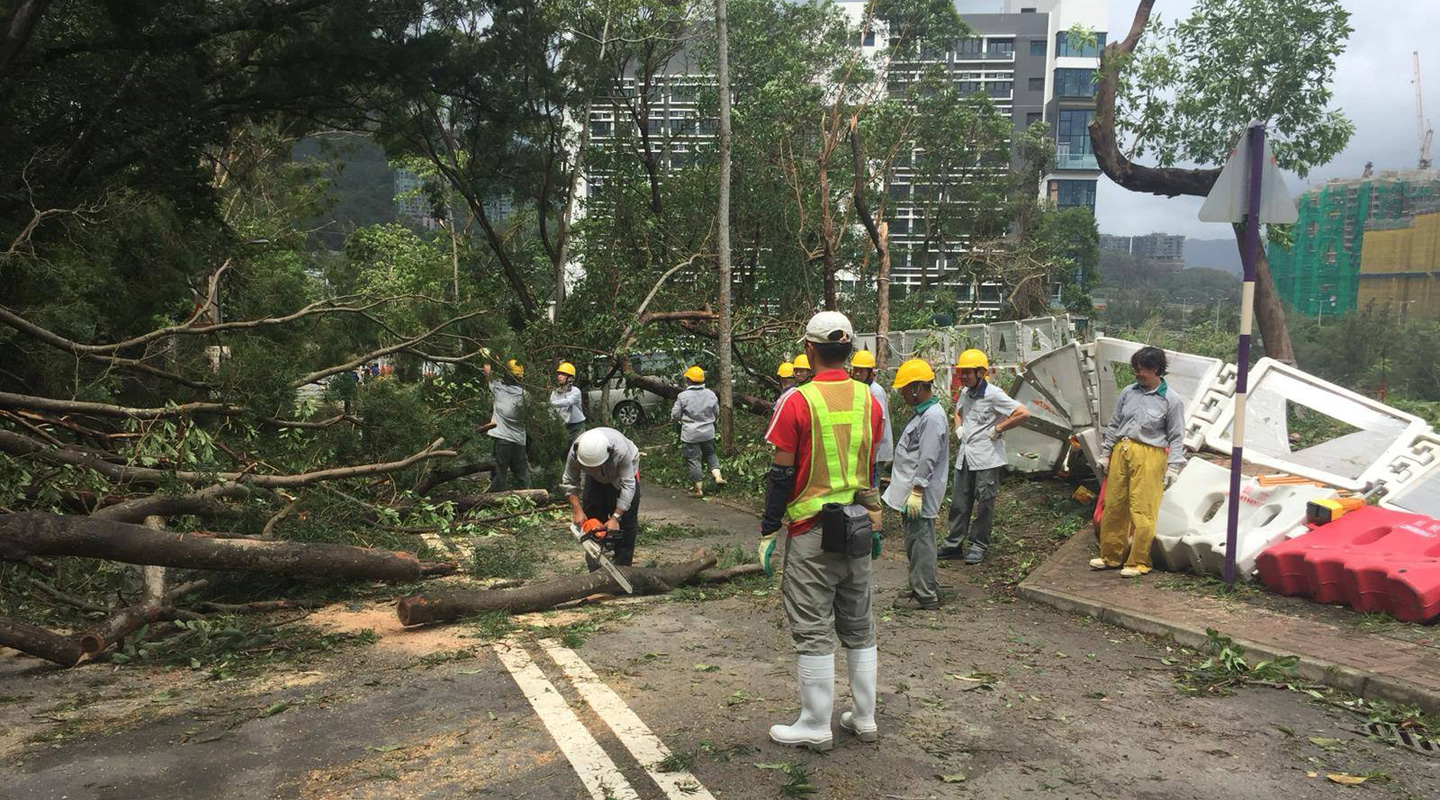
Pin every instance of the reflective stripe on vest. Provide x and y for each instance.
(835, 476)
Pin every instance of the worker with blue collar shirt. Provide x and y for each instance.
(917, 480)
(696, 409)
(512, 462)
(567, 402)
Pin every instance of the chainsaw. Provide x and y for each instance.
(595, 551)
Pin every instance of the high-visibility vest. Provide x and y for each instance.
(840, 445)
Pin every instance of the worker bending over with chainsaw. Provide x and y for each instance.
(1146, 433)
(825, 434)
(917, 485)
(602, 483)
(696, 409)
(983, 412)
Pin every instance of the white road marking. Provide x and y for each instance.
(596, 770)
(628, 727)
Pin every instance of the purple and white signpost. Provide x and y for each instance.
(1250, 189)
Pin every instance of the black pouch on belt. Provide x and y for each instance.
(858, 531)
(834, 529)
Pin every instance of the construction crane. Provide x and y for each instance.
(1422, 126)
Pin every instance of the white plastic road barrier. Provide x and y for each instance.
(1005, 343)
(1033, 452)
(1040, 406)
(1190, 375)
(1060, 376)
(1037, 337)
(1302, 425)
(969, 337)
(1412, 481)
(1190, 528)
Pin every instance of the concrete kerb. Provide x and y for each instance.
(1358, 682)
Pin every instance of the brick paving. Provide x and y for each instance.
(1332, 648)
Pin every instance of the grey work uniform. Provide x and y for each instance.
(613, 486)
(978, 465)
(922, 459)
(696, 409)
(1149, 416)
(885, 450)
(511, 460)
(567, 405)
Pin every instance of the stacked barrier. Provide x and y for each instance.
(1372, 559)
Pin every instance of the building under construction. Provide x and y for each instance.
(1400, 265)
(1320, 273)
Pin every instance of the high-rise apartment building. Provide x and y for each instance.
(1164, 247)
(1021, 57)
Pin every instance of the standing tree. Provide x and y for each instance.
(1189, 89)
(722, 57)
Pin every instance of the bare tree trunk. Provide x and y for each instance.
(1269, 311)
(827, 237)
(420, 609)
(882, 303)
(727, 377)
(562, 236)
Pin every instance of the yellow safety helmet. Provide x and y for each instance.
(911, 371)
(972, 359)
(695, 374)
(787, 370)
(802, 361)
(567, 368)
(516, 368)
(864, 359)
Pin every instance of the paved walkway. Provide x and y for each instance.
(1333, 651)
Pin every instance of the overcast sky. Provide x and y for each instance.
(1372, 86)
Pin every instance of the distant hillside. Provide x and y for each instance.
(1219, 254)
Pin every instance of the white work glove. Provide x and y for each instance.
(1104, 465)
(959, 431)
(995, 434)
(1170, 475)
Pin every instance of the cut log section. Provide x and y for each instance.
(41, 643)
(420, 609)
(38, 534)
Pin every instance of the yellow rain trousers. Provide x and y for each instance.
(1132, 499)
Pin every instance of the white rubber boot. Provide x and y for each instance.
(817, 700)
(861, 721)
(719, 481)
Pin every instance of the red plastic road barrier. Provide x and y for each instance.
(1372, 559)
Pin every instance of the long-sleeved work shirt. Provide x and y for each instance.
(1155, 417)
(922, 458)
(981, 409)
(621, 468)
(885, 451)
(696, 409)
(566, 404)
(506, 412)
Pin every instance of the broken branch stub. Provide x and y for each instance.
(39, 534)
(431, 607)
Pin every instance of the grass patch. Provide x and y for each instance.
(226, 645)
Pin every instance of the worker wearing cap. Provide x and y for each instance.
(567, 402)
(1145, 440)
(983, 412)
(786, 374)
(825, 434)
(696, 409)
(862, 368)
(917, 483)
(803, 372)
(602, 484)
(512, 464)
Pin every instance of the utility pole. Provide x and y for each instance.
(727, 389)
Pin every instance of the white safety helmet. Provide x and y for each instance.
(592, 448)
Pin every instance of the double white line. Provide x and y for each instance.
(602, 779)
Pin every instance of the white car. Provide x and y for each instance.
(628, 406)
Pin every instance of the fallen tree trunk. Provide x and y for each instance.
(41, 643)
(39, 534)
(474, 502)
(419, 609)
(438, 475)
